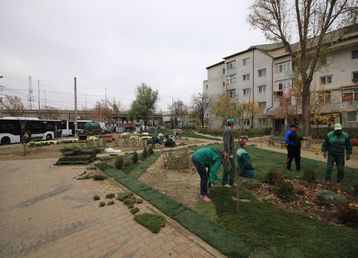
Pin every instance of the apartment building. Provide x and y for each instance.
(264, 74)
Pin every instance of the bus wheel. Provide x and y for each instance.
(5, 140)
(49, 137)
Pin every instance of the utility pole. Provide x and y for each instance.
(105, 93)
(38, 95)
(29, 96)
(86, 102)
(76, 126)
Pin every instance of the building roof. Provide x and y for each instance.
(262, 47)
(215, 64)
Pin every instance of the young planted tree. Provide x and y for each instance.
(308, 22)
(222, 108)
(144, 105)
(13, 105)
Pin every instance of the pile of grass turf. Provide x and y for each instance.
(153, 222)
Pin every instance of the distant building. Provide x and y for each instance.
(264, 75)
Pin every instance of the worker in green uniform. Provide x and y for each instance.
(337, 146)
(243, 159)
(207, 162)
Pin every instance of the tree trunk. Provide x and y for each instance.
(305, 107)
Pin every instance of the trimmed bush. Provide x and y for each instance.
(101, 204)
(286, 192)
(273, 177)
(110, 196)
(99, 177)
(123, 196)
(153, 222)
(150, 150)
(177, 160)
(96, 198)
(145, 153)
(309, 175)
(119, 163)
(134, 210)
(327, 197)
(111, 202)
(348, 216)
(135, 157)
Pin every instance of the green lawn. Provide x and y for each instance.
(258, 229)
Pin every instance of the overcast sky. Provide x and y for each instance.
(118, 45)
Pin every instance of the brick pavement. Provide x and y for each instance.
(45, 212)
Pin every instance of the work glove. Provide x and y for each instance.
(231, 156)
(324, 155)
(348, 157)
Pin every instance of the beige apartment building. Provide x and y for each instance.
(263, 74)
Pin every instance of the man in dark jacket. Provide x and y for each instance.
(293, 144)
(336, 146)
(229, 149)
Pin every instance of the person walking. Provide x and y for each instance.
(293, 144)
(229, 148)
(207, 162)
(243, 160)
(337, 147)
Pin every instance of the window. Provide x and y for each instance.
(326, 79)
(262, 88)
(246, 91)
(206, 86)
(262, 72)
(354, 54)
(223, 70)
(246, 61)
(324, 97)
(262, 105)
(352, 116)
(231, 78)
(262, 121)
(284, 84)
(246, 77)
(283, 67)
(232, 93)
(231, 65)
(355, 76)
(223, 84)
(350, 95)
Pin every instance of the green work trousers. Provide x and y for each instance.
(229, 172)
(340, 167)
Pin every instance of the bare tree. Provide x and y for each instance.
(102, 111)
(198, 107)
(13, 105)
(311, 21)
(178, 110)
(50, 112)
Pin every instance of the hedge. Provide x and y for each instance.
(320, 133)
(256, 132)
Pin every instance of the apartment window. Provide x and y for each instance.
(246, 61)
(262, 88)
(262, 121)
(262, 105)
(231, 65)
(246, 77)
(223, 70)
(246, 91)
(231, 78)
(325, 97)
(283, 67)
(354, 54)
(350, 95)
(352, 116)
(326, 79)
(355, 76)
(232, 93)
(247, 122)
(262, 72)
(284, 84)
(223, 84)
(206, 86)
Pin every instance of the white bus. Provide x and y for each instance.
(13, 128)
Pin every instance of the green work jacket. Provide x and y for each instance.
(337, 146)
(210, 158)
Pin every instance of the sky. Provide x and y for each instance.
(113, 46)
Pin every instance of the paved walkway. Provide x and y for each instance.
(45, 212)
